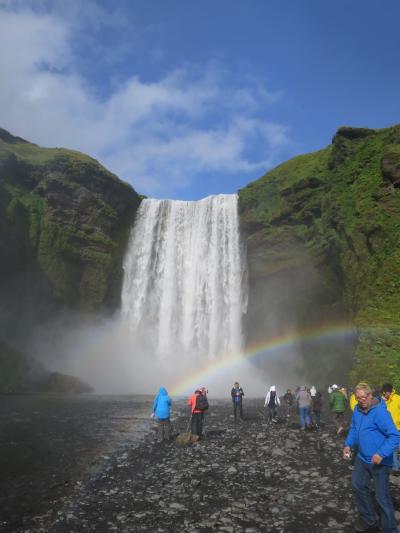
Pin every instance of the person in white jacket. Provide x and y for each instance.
(272, 402)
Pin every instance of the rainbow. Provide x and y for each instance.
(260, 351)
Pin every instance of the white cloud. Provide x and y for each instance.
(158, 135)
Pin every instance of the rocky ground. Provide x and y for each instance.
(249, 476)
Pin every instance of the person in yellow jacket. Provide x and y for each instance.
(392, 400)
(352, 401)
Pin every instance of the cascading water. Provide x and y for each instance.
(185, 286)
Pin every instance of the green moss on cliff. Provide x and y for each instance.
(339, 209)
(73, 218)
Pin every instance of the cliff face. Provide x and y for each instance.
(323, 236)
(64, 224)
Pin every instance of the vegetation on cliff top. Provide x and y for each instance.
(340, 208)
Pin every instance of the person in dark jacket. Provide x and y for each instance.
(162, 410)
(337, 404)
(288, 398)
(316, 406)
(376, 437)
(237, 395)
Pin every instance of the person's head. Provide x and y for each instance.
(363, 394)
(236, 384)
(273, 388)
(334, 387)
(289, 391)
(387, 389)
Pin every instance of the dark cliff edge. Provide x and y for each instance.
(64, 225)
(323, 242)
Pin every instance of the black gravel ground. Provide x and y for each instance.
(248, 476)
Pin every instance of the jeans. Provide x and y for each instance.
(305, 418)
(317, 418)
(396, 459)
(272, 411)
(361, 482)
(236, 406)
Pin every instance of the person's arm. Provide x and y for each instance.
(155, 403)
(385, 424)
(266, 400)
(242, 392)
(278, 402)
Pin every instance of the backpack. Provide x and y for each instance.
(201, 402)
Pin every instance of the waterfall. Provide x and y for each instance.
(185, 284)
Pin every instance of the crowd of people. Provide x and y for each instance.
(372, 441)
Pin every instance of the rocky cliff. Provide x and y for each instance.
(64, 224)
(323, 236)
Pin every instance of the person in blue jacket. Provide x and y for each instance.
(162, 410)
(376, 437)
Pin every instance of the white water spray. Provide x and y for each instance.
(185, 286)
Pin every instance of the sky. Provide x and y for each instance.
(185, 98)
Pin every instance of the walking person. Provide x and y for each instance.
(376, 437)
(337, 404)
(199, 404)
(316, 406)
(272, 401)
(392, 401)
(303, 398)
(288, 398)
(162, 410)
(237, 395)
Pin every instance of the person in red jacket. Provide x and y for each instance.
(197, 414)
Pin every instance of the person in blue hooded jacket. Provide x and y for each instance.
(376, 437)
(162, 410)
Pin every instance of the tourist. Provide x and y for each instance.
(162, 410)
(199, 404)
(374, 433)
(288, 398)
(303, 399)
(352, 401)
(392, 401)
(237, 395)
(337, 404)
(316, 405)
(272, 402)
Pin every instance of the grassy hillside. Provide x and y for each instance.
(334, 215)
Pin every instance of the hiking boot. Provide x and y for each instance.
(361, 525)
